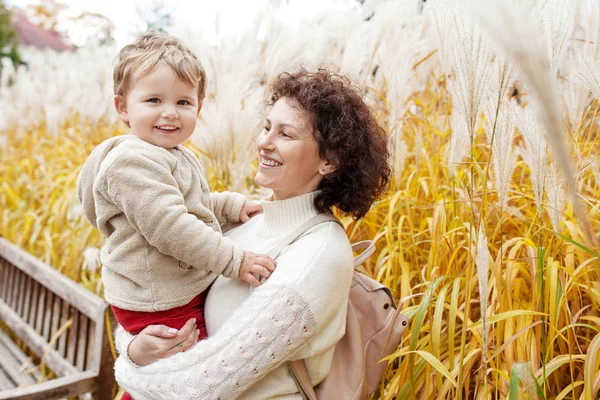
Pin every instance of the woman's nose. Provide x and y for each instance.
(265, 141)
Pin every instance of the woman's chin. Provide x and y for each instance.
(262, 181)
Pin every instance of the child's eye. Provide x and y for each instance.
(284, 134)
(154, 100)
(183, 102)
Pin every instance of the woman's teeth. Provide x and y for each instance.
(270, 163)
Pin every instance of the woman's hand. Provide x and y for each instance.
(159, 341)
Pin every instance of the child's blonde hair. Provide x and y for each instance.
(148, 50)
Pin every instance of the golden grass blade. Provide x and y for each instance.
(592, 369)
(435, 363)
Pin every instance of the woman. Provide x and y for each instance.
(321, 148)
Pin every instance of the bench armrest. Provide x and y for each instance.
(66, 386)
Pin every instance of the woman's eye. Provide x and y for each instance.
(154, 100)
(183, 102)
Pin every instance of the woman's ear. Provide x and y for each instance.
(327, 168)
(121, 107)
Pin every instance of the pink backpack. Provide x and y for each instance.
(374, 328)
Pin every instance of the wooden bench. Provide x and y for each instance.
(59, 321)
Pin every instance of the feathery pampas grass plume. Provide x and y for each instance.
(54, 86)
(516, 31)
(500, 131)
(470, 56)
(459, 143)
(535, 151)
(555, 190)
(587, 50)
(400, 48)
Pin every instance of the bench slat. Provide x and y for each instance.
(5, 381)
(55, 319)
(22, 295)
(18, 353)
(72, 350)
(11, 286)
(47, 315)
(64, 318)
(12, 367)
(35, 342)
(27, 302)
(3, 278)
(82, 299)
(34, 303)
(81, 342)
(66, 386)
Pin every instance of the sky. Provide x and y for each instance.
(234, 15)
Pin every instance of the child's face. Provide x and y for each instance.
(160, 107)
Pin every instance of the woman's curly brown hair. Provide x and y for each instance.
(347, 134)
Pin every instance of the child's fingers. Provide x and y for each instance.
(255, 207)
(250, 279)
(244, 217)
(260, 270)
(265, 261)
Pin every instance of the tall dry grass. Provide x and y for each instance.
(499, 272)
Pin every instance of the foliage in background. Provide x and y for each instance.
(8, 40)
(500, 280)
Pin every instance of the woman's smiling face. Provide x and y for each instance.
(289, 161)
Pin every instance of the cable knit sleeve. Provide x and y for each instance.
(227, 206)
(299, 311)
(269, 329)
(142, 186)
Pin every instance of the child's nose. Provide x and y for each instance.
(169, 113)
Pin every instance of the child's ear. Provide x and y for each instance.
(121, 107)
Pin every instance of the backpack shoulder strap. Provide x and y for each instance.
(300, 375)
(295, 235)
(367, 247)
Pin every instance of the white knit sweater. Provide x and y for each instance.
(299, 312)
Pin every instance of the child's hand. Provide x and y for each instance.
(255, 265)
(250, 208)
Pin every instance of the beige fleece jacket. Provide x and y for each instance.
(164, 243)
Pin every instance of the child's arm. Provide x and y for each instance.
(227, 206)
(142, 186)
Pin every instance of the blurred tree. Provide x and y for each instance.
(46, 14)
(155, 15)
(8, 40)
(91, 28)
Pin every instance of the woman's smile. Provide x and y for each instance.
(268, 162)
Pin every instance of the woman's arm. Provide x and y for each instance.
(301, 301)
(266, 331)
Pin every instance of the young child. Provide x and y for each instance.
(146, 193)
